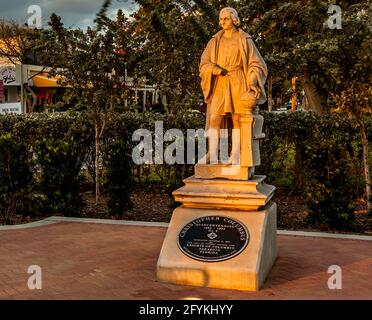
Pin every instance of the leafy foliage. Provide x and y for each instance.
(329, 147)
(15, 176)
(326, 151)
(60, 162)
(119, 174)
(92, 64)
(20, 44)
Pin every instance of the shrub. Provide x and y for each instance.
(325, 166)
(118, 162)
(60, 163)
(330, 195)
(15, 176)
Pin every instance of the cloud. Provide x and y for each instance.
(74, 13)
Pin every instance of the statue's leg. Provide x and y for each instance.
(235, 148)
(213, 140)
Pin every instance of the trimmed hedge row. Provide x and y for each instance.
(42, 156)
(319, 157)
(53, 148)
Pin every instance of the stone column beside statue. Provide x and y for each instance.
(224, 234)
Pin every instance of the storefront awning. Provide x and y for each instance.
(42, 81)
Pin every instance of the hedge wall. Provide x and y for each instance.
(317, 157)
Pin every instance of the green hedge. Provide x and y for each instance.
(57, 146)
(15, 177)
(317, 157)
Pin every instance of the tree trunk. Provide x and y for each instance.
(313, 98)
(366, 166)
(270, 94)
(34, 98)
(96, 161)
(294, 98)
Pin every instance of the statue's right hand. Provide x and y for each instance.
(224, 72)
(217, 71)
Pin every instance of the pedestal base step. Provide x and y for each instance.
(225, 194)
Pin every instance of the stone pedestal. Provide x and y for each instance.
(248, 204)
(224, 234)
(245, 271)
(250, 135)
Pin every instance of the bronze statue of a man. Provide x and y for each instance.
(232, 71)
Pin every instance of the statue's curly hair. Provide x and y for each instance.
(234, 15)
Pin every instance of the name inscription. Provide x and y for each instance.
(213, 238)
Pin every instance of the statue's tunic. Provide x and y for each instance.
(229, 88)
(240, 57)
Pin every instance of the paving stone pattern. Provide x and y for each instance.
(100, 261)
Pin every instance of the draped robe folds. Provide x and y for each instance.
(252, 62)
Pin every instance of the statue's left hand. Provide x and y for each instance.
(253, 84)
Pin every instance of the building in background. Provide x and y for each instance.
(26, 88)
(10, 89)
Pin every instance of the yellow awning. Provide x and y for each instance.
(42, 81)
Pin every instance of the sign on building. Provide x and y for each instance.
(8, 76)
(14, 108)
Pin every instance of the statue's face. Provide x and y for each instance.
(226, 21)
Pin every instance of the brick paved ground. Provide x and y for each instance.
(100, 261)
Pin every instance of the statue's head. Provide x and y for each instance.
(229, 18)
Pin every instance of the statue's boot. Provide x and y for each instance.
(205, 159)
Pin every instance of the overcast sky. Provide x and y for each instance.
(74, 13)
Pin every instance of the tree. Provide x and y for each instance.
(352, 71)
(356, 102)
(173, 34)
(333, 65)
(93, 65)
(20, 44)
(287, 33)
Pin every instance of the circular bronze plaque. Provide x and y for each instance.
(213, 238)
